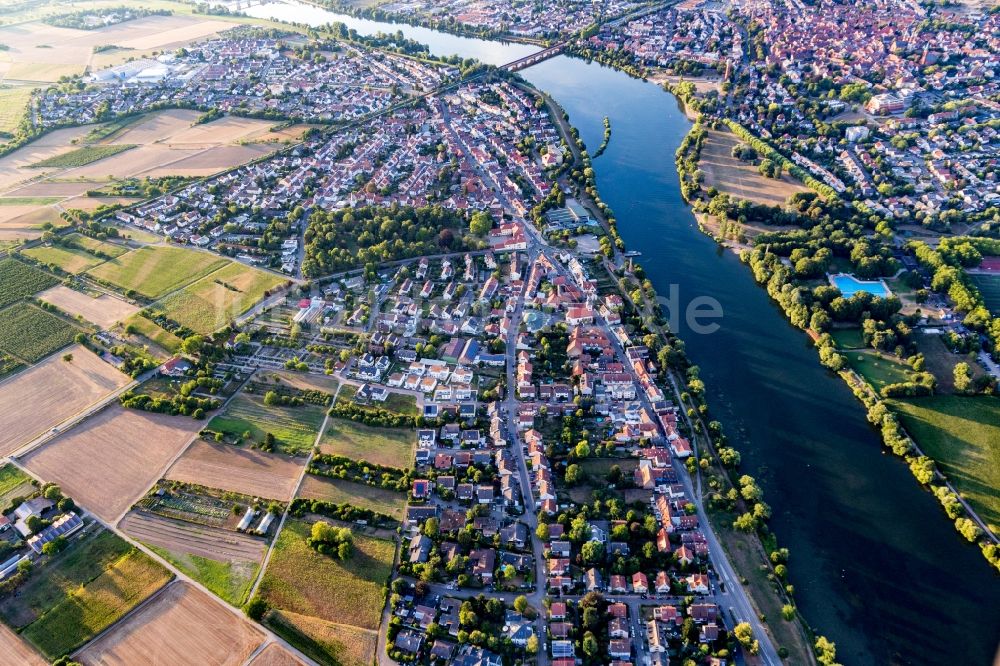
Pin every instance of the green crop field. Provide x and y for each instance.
(215, 300)
(76, 254)
(294, 428)
(13, 104)
(392, 447)
(961, 433)
(231, 581)
(29, 201)
(156, 271)
(31, 333)
(351, 592)
(989, 287)
(18, 280)
(81, 156)
(81, 592)
(382, 500)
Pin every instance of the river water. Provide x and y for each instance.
(877, 566)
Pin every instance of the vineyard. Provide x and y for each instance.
(31, 333)
(18, 280)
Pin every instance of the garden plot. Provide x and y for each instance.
(51, 392)
(111, 459)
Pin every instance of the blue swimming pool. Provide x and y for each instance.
(850, 285)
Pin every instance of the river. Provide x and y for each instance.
(877, 566)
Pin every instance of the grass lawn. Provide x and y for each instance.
(152, 332)
(70, 259)
(848, 338)
(231, 581)
(384, 501)
(82, 156)
(963, 435)
(13, 104)
(989, 287)
(156, 271)
(215, 300)
(295, 428)
(300, 580)
(31, 333)
(18, 280)
(325, 642)
(876, 370)
(13, 483)
(392, 447)
(398, 403)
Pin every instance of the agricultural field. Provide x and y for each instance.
(245, 471)
(215, 300)
(962, 434)
(180, 623)
(397, 403)
(103, 310)
(149, 332)
(19, 280)
(156, 271)
(741, 179)
(294, 428)
(31, 334)
(224, 561)
(81, 156)
(45, 395)
(325, 642)
(15, 652)
(392, 447)
(13, 104)
(107, 462)
(275, 655)
(387, 502)
(989, 287)
(86, 589)
(351, 592)
(70, 259)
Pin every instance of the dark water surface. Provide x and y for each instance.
(877, 566)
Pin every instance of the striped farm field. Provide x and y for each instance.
(31, 333)
(215, 300)
(157, 271)
(18, 280)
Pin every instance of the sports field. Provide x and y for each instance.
(989, 287)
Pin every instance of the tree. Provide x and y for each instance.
(521, 604)
(743, 632)
(592, 552)
(68, 358)
(573, 475)
(192, 344)
(963, 378)
(480, 223)
(542, 532)
(271, 398)
(256, 608)
(582, 450)
(590, 645)
(531, 647)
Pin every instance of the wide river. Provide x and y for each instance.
(877, 566)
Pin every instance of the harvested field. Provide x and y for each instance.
(105, 310)
(13, 104)
(52, 391)
(212, 302)
(182, 625)
(12, 167)
(253, 473)
(304, 381)
(275, 655)
(326, 642)
(162, 32)
(386, 502)
(350, 592)
(15, 652)
(183, 537)
(383, 446)
(41, 71)
(109, 461)
(156, 271)
(741, 179)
